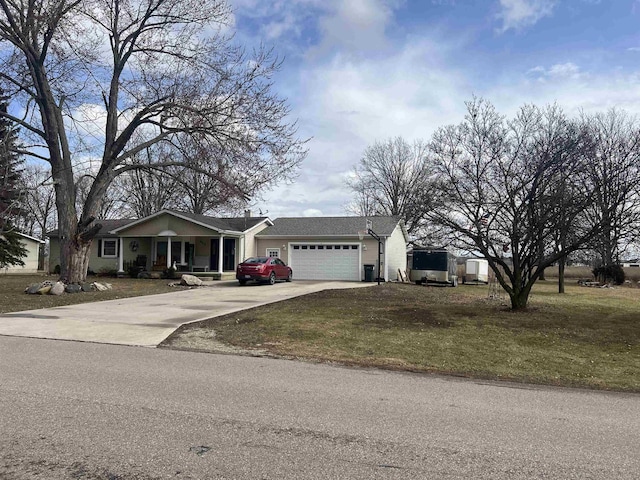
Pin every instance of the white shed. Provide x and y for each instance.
(476, 270)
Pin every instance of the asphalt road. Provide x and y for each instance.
(90, 411)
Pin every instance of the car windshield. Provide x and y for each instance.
(256, 260)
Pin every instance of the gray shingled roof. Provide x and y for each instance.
(238, 224)
(235, 224)
(328, 226)
(107, 226)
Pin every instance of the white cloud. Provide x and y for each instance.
(517, 14)
(347, 97)
(559, 70)
(564, 70)
(355, 26)
(349, 103)
(312, 212)
(590, 92)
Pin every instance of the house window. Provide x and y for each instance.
(273, 252)
(109, 248)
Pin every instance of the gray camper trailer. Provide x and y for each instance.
(432, 265)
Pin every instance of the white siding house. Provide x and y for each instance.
(32, 246)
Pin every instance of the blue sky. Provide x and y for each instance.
(360, 71)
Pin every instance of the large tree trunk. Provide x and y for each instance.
(76, 236)
(77, 255)
(542, 277)
(561, 275)
(519, 301)
(519, 296)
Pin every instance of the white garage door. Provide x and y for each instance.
(325, 262)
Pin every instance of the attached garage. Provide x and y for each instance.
(315, 261)
(336, 248)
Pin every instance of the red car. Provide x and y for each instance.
(263, 269)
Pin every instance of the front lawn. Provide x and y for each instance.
(13, 298)
(588, 337)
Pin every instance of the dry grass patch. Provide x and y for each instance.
(13, 298)
(587, 337)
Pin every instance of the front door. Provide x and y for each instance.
(161, 255)
(229, 255)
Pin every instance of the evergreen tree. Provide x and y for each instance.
(12, 249)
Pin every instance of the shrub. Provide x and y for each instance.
(170, 273)
(134, 270)
(107, 272)
(609, 273)
(56, 270)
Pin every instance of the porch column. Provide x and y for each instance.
(386, 262)
(168, 252)
(121, 255)
(220, 256)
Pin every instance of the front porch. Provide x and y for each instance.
(211, 257)
(190, 243)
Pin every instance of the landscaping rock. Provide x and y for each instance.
(33, 288)
(86, 287)
(190, 281)
(45, 290)
(73, 288)
(144, 275)
(99, 286)
(155, 275)
(57, 289)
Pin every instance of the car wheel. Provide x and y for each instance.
(242, 282)
(272, 278)
(290, 277)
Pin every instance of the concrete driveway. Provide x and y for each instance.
(147, 321)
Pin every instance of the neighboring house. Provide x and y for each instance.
(634, 263)
(335, 248)
(32, 245)
(193, 243)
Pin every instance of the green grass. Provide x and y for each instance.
(588, 337)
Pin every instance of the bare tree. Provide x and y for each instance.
(509, 187)
(614, 169)
(224, 191)
(39, 201)
(142, 192)
(395, 178)
(109, 78)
